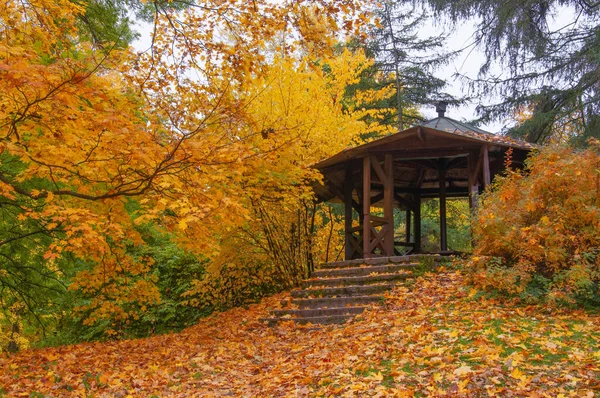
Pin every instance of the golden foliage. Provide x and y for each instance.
(295, 117)
(192, 130)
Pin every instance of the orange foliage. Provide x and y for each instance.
(178, 128)
(539, 229)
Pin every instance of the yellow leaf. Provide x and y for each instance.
(375, 377)
(182, 224)
(517, 374)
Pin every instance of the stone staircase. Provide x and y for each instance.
(341, 290)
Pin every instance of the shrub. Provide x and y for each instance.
(537, 231)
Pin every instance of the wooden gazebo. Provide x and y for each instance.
(441, 158)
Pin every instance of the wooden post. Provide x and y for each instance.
(388, 204)
(366, 206)
(417, 211)
(408, 226)
(487, 178)
(443, 232)
(473, 181)
(348, 188)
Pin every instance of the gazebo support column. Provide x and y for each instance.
(366, 206)
(381, 239)
(472, 170)
(408, 226)
(388, 205)
(487, 177)
(417, 211)
(348, 188)
(443, 231)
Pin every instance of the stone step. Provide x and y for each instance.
(306, 313)
(366, 270)
(411, 258)
(339, 291)
(333, 302)
(322, 320)
(342, 291)
(355, 263)
(354, 280)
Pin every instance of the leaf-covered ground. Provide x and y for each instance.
(431, 337)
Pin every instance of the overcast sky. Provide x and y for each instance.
(467, 64)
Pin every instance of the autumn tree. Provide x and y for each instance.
(86, 129)
(547, 62)
(297, 107)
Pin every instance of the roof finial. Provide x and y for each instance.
(440, 108)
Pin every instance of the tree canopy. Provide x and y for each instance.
(541, 56)
(97, 140)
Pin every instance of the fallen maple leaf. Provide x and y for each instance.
(375, 377)
(517, 374)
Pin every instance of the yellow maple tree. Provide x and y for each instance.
(183, 129)
(296, 115)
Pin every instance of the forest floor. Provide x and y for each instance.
(433, 336)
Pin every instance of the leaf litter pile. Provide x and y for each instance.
(432, 336)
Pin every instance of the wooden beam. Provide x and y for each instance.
(473, 182)
(417, 211)
(427, 191)
(419, 181)
(487, 178)
(443, 231)
(377, 221)
(404, 202)
(449, 194)
(378, 239)
(377, 198)
(388, 204)
(407, 225)
(419, 153)
(473, 191)
(348, 188)
(340, 193)
(478, 164)
(449, 180)
(366, 206)
(378, 170)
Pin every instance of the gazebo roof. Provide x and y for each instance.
(466, 130)
(418, 153)
(444, 127)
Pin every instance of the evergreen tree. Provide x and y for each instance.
(552, 71)
(111, 22)
(407, 61)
